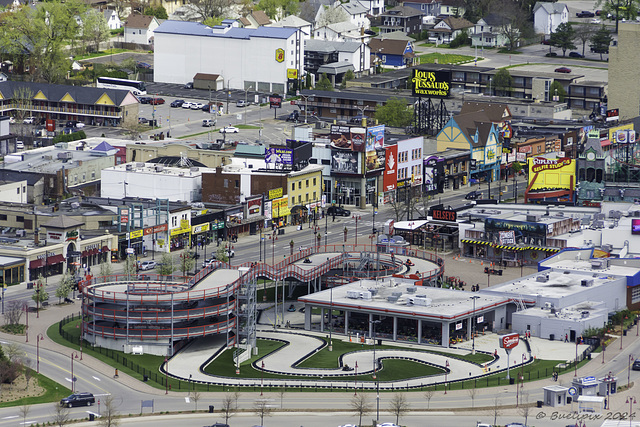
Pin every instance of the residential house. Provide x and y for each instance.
(547, 16)
(452, 8)
(357, 13)
(255, 19)
(477, 133)
(342, 32)
(374, 7)
(393, 52)
(293, 21)
(401, 18)
(310, 10)
(489, 31)
(448, 29)
(139, 29)
(113, 20)
(428, 7)
(335, 58)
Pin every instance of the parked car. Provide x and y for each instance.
(576, 55)
(188, 86)
(549, 54)
(474, 195)
(546, 42)
(209, 123)
(593, 50)
(78, 399)
(156, 101)
(229, 129)
(585, 14)
(636, 365)
(197, 105)
(177, 103)
(241, 103)
(19, 145)
(294, 116)
(211, 108)
(147, 265)
(186, 104)
(338, 211)
(144, 99)
(143, 120)
(141, 64)
(563, 70)
(29, 120)
(74, 124)
(595, 21)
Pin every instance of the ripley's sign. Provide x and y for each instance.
(431, 84)
(540, 163)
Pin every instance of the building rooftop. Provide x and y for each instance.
(576, 312)
(395, 295)
(198, 29)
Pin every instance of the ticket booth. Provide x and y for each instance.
(586, 386)
(608, 385)
(555, 395)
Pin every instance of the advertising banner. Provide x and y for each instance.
(344, 161)
(280, 207)
(507, 237)
(374, 148)
(431, 173)
(253, 207)
(267, 210)
(390, 177)
(613, 131)
(347, 137)
(430, 84)
(509, 341)
(275, 193)
(278, 155)
(551, 173)
(275, 101)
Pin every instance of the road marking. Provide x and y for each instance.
(96, 378)
(27, 422)
(68, 379)
(10, 417)
(93, 413)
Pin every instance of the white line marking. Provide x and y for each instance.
(96, 378)
(10, 417)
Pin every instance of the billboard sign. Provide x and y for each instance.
(551, 173)
(507, 237)
(347, 138)
(613, 115)
(509, 341)
(430, 84)
(275, 101)
(278, 155)
(390, 177)
(344, 161)
(374, 148)
(444, 215)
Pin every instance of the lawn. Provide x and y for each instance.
(53, 393)
(99, 54)
(444, 58)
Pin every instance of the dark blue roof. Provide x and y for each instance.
(198, 29)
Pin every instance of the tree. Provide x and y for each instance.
(555, 88)
(13, 314)
(212, 21)
(472, 394)
(66, 285)
(187, 261)
(514, 22)
(324, 83)
(619, 9)
(347, 76)
(398, 405)
(24, 411)
(39, 294)
(428, 394)
(361, 406)
(227, 407)
(222, 253)
(394, 112)
(563, 37)
(195, 396)
(281, 392)
(105, 268)
(600, 41)
(109, 417)
(262, 409)
(94, 29)
(23, 99)
(496, 410)
(165, 268)
(236, 397)
(584, 33)
(159, 11)
(61, 415)
(524, 408)
(130, 267)
(211, 8)
(503, 82)
(307, 81)
(332, 15)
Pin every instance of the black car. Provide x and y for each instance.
(78, 399)
(294, 116)
(338, 211)
(144, 99)
(177, 103)
(576, 55)
(585, 14)
(636, 365)
(474, 195)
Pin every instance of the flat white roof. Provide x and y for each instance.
(444, 303)
(576, 312)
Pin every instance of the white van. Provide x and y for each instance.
(208, 122)
(19, 145)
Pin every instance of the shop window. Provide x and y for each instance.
(19, 219)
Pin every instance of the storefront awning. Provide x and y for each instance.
(85, 254)
(56, 259)
(510, 247)
(105, 249)
(36, 263)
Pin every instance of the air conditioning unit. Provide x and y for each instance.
(587, 283)
(543, 278)
(411, 289)
(129, 167)
(139, 164)
(159, 168)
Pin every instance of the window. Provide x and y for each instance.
(293, 186)
(300, 198)
(20, 219)
(314, 196)
(3, 217)
(93, 175)
(237, 183)
(306, 197)
(24, 190)
(299, 185)
(307, 183)
(174, 222)
(18, 190)
(314, 182)
(313, 162)
(326, 161)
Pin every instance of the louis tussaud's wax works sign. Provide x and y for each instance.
(431, 84)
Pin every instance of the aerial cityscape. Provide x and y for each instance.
(444, 196)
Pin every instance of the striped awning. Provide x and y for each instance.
(510, 247)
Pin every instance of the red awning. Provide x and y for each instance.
(93, 251)
(56, 259)
(85, 254)
(36, 263)
(105, 249)
(605, 143)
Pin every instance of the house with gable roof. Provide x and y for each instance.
(336, 58)
(293, 21)
(428, 7)
(374, 7)
(341, 31)
(451, 8)
(255, 19)
(113, 20)
(396, 53)
(489, 31)
(89, 105)
(476, 133)
(401, 18)
(139, 28)
(547, 16)
(448, 29)
(357, 14)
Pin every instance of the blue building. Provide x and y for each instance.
(396, 53)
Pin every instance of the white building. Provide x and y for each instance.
(357, 14)
(13, 192)
(375, 7)
(152, 181)
(410, 162)
(244, 57)
(113, 20)
(547, 17)
(139, 28)
(341, 32)
(293, 21)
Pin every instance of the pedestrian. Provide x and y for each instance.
(566, 338)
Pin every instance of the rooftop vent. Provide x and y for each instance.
(543, 278)
(587, 283)
(139, 164)
(159, 168)
(129, 167)
(533, 218)
(411, 289)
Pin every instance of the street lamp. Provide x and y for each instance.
(306, 97)
(262, 379)
(473, 325)
(38, 339)
(25, 308)
(375, 366)
(631, 400)
(356, 217)
(245, 103)
(73, 379)
(629, 370)
(331, 317)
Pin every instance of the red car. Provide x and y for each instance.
(546, 42)
(563, 70)
(156, 101)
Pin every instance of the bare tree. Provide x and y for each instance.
(524, 408)
(61, 415)
(398, 405)
(361, 406)
(496, 409)
(109, 417)
(584, 33)
(281, 392)
(27, 371)
(236, 397)
(13, 352)
(332, 15)
(24, 411)
(472, 394)
(195, 396)
(211, 8)
(262, 409)
(428, 394)
(13, 312)
(227, 407)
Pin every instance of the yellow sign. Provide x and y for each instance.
(136, 234)
(551, 173)
(613, 130)
(181, 230)
(184, 223)
(280, 207)
(279, 55)
(275, 193)
(292, 73)
(195, 229)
